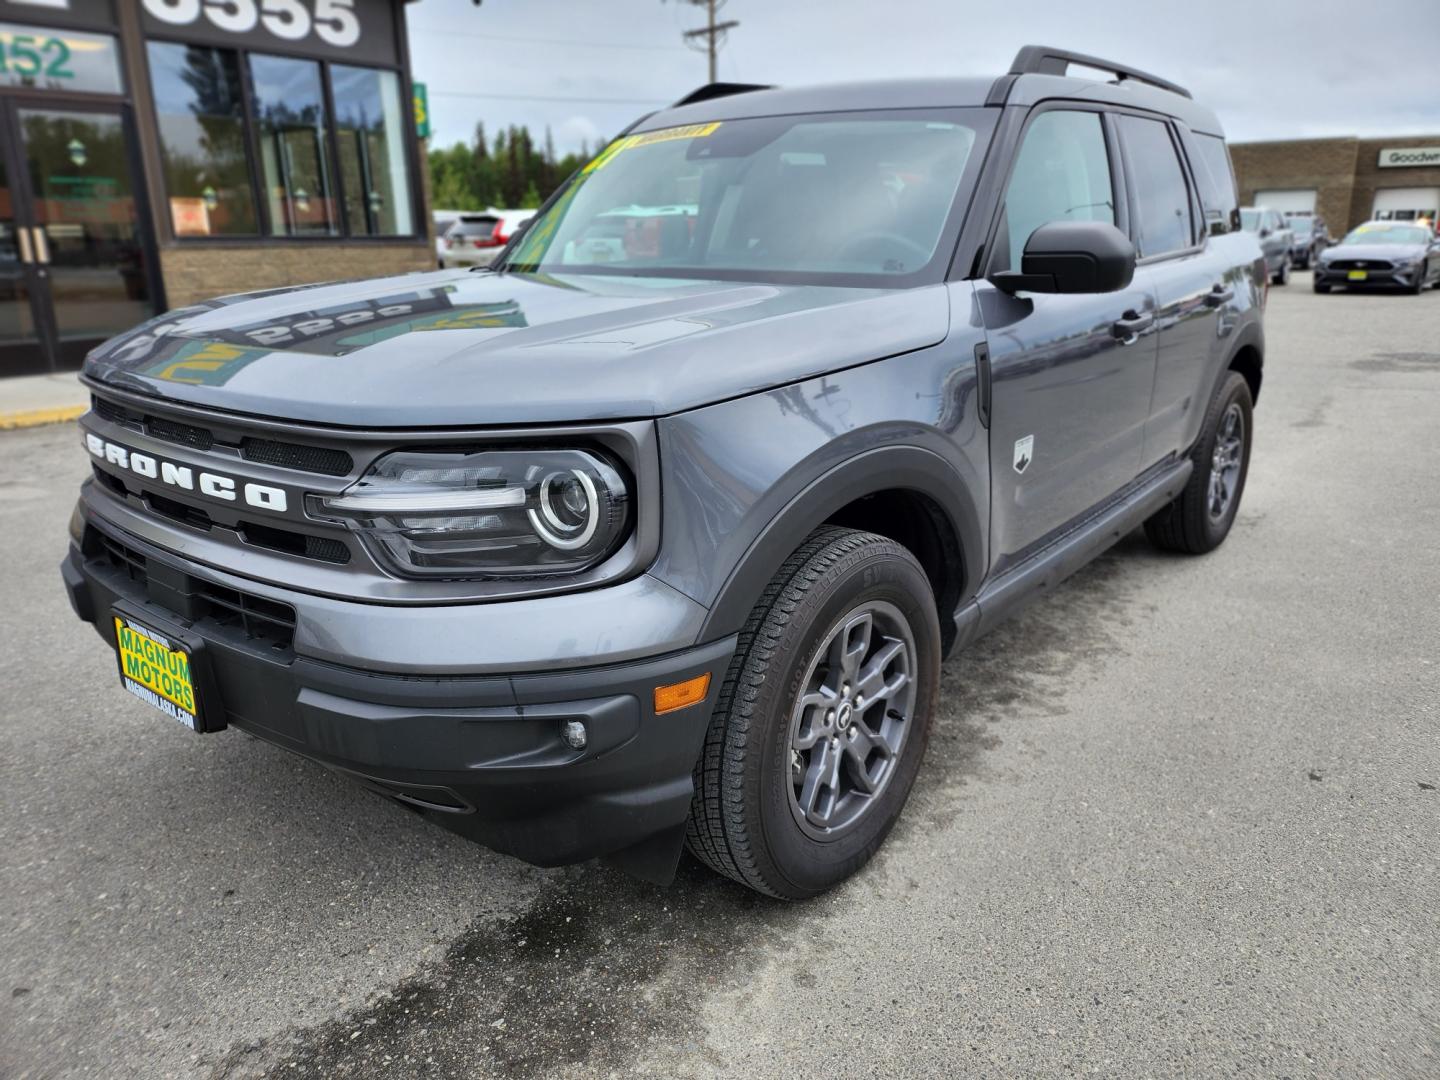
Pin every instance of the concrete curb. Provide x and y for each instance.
(28, 418)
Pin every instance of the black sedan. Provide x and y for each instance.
(1384, 253)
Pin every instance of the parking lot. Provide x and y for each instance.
(1181, 819)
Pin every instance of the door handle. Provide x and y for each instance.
(1131, 325)
(42, 247)
(1219, 296)
(24, 237)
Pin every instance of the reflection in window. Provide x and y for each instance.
(1061, 174)
(370, 130)
(199, 107)
(291, 131)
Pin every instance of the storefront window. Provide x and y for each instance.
(369, 128)
(40, 58)
(198, 103)
(318, 175)
(291, 132)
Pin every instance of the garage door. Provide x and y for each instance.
(1288, 200)
(1406, 204)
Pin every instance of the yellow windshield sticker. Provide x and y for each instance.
(649, 138)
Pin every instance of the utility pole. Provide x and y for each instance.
(712, 34)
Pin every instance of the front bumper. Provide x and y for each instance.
(481, 755)
(1395, 278)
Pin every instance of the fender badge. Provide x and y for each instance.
(1024, 453)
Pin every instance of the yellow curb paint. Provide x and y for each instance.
(37, 417)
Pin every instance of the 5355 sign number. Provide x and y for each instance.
(335, 22)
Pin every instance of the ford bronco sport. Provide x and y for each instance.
(655, 532)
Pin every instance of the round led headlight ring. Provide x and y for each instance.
(569, 510)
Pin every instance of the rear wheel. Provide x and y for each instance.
(1200, 519)
(1282, 276)
(823, 718)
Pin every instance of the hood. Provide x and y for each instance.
(458, 348)
(1377, 252)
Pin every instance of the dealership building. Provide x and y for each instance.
(1345, 180)
(158, 152)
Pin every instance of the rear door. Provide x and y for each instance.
(1189, 278)
(1071, 375)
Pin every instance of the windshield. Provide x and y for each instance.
(1303, 226)
(1385, 233)
(862, 199)
(1250, 220)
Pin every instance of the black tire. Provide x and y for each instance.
(1419, 286)
(1282, 276)
(744, 819)
(1321, 288)
(1188, 524)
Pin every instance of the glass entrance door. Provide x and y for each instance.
(79, 234)
(21, 348)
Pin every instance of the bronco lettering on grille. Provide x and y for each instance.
(212, 485)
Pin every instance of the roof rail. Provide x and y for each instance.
(718, 90)
(1043, 60)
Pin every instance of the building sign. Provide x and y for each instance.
(422, 110)
(42, 58)
(350, 31)
(1402, 156)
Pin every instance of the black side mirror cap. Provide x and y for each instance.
(1072, 257)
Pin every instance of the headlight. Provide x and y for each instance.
(488, 514)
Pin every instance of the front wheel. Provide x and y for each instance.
(1200, 519)
(823, 718)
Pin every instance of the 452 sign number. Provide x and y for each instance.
(333, 21)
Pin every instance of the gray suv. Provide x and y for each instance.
(655, 533)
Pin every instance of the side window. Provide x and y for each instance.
(1062, 173)
(1217, 184)
(1162, 201)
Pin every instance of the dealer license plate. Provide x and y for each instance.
(157, 671)
(1358, 275)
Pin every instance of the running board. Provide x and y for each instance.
(997, 600)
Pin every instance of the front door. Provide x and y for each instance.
(1072, 375)
(76, 264)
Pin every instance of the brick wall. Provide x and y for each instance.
(1369, 176)
(1326, 165)
(198, 272)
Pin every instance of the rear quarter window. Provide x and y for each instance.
(1216, 179)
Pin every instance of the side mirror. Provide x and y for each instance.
(1072, 257)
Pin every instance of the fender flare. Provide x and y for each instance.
(1251, 335)
(888, 468)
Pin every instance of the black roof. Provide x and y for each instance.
(1036, 75)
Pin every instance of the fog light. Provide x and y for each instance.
(574, 734)
(679, 695)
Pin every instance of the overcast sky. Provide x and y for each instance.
(1273, 69)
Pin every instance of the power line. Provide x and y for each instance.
(541, 40)
(712, 33)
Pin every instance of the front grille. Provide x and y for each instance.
(196, 438)
(178, 511)
(323, 548)
(324, 460)
(117, 415)
(1360, 264)
(315, 459)
(303, 545)
(260, 620)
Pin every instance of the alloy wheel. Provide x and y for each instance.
(851, 720)
(1225, 462)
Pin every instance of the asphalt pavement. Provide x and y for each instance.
(1180, 819)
